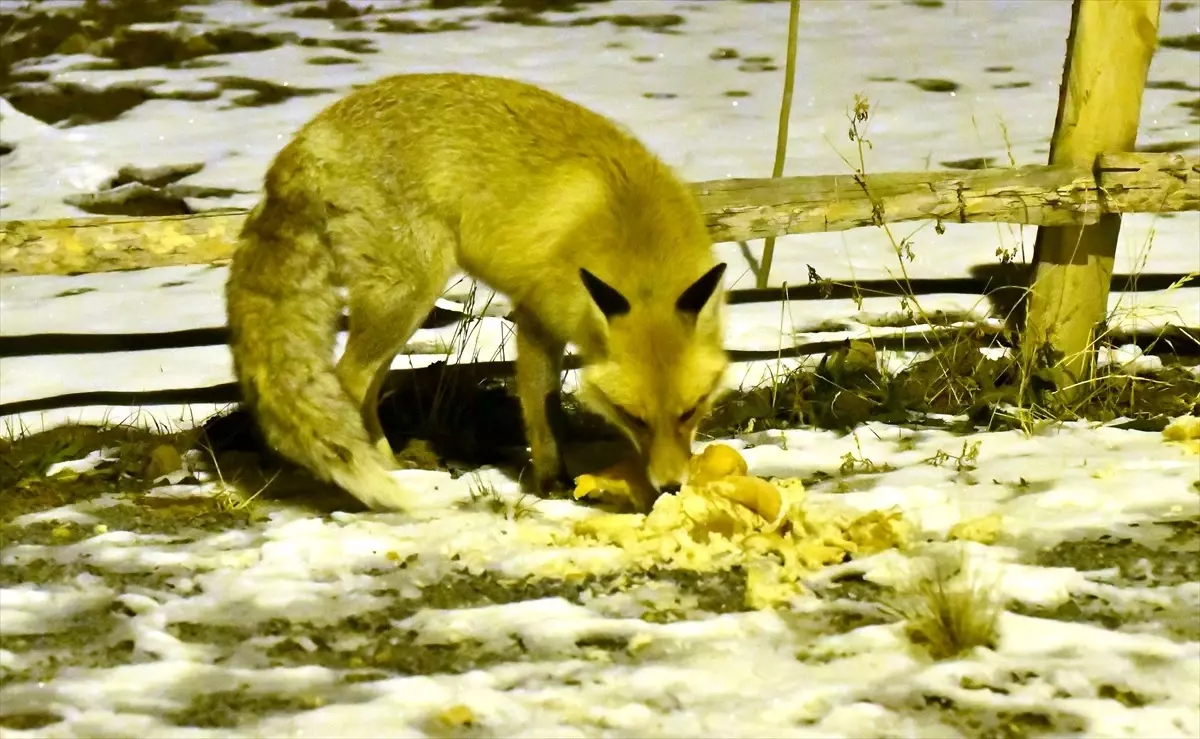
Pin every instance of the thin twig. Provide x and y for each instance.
(785, 113)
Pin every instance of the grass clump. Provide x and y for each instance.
(123, 462)
(136, 457)
(947, 611)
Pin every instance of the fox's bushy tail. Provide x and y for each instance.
(283, 312)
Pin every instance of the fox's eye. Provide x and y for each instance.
(631, 420)
(689, 414)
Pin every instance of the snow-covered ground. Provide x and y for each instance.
(187, 633)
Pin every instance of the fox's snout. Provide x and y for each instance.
(667, 462)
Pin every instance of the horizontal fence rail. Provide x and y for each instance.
(734, 209)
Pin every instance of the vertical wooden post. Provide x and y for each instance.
(1100, 102)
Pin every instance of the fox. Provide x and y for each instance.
(375, 203)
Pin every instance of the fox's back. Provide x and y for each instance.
(492, 149)
(456, 133)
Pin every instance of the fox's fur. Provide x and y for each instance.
(396, 187)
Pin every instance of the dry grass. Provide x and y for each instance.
(947, 611)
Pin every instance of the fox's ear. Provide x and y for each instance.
(610, 302)
(694, 299)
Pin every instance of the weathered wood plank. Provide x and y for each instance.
(735, 210)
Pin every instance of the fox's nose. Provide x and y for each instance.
(671, 488)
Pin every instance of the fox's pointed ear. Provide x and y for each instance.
(610, 302)
(701, 291)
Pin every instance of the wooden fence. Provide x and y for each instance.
(1077, 201)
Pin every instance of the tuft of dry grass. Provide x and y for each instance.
(947, 611)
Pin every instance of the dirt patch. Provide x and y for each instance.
(970, 163)
(370, 640)
(1175, 619)
(24, 462)
(74, 104)
(757, 64)
(262, 93)
(110, 493)
(156, 191)
(994, 723)
(1174, 561)
(119, 35)
(929, 84)
(1193, 108)
(329, 10)
(326, 61)
(1176, 85)
(94, 638)
(386, 24)
(1190, 42)
(1168, 147)
(1154, 572)
(228, 709)
(74, 291)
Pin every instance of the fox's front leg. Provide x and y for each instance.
(539, 386)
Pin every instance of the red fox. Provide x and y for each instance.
(392, 190)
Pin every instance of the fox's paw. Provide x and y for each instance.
(557, 484)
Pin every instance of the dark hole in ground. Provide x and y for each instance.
(465, 419)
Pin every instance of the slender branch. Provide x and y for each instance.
(785, 114)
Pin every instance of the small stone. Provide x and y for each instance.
(457, 716)
(164, 460)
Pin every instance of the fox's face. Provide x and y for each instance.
(660, 372)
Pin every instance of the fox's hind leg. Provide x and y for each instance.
(393, 281)
(539, 387)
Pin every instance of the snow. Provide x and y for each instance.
(777, 672)
(735, 674)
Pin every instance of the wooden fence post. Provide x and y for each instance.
(1100, 101)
